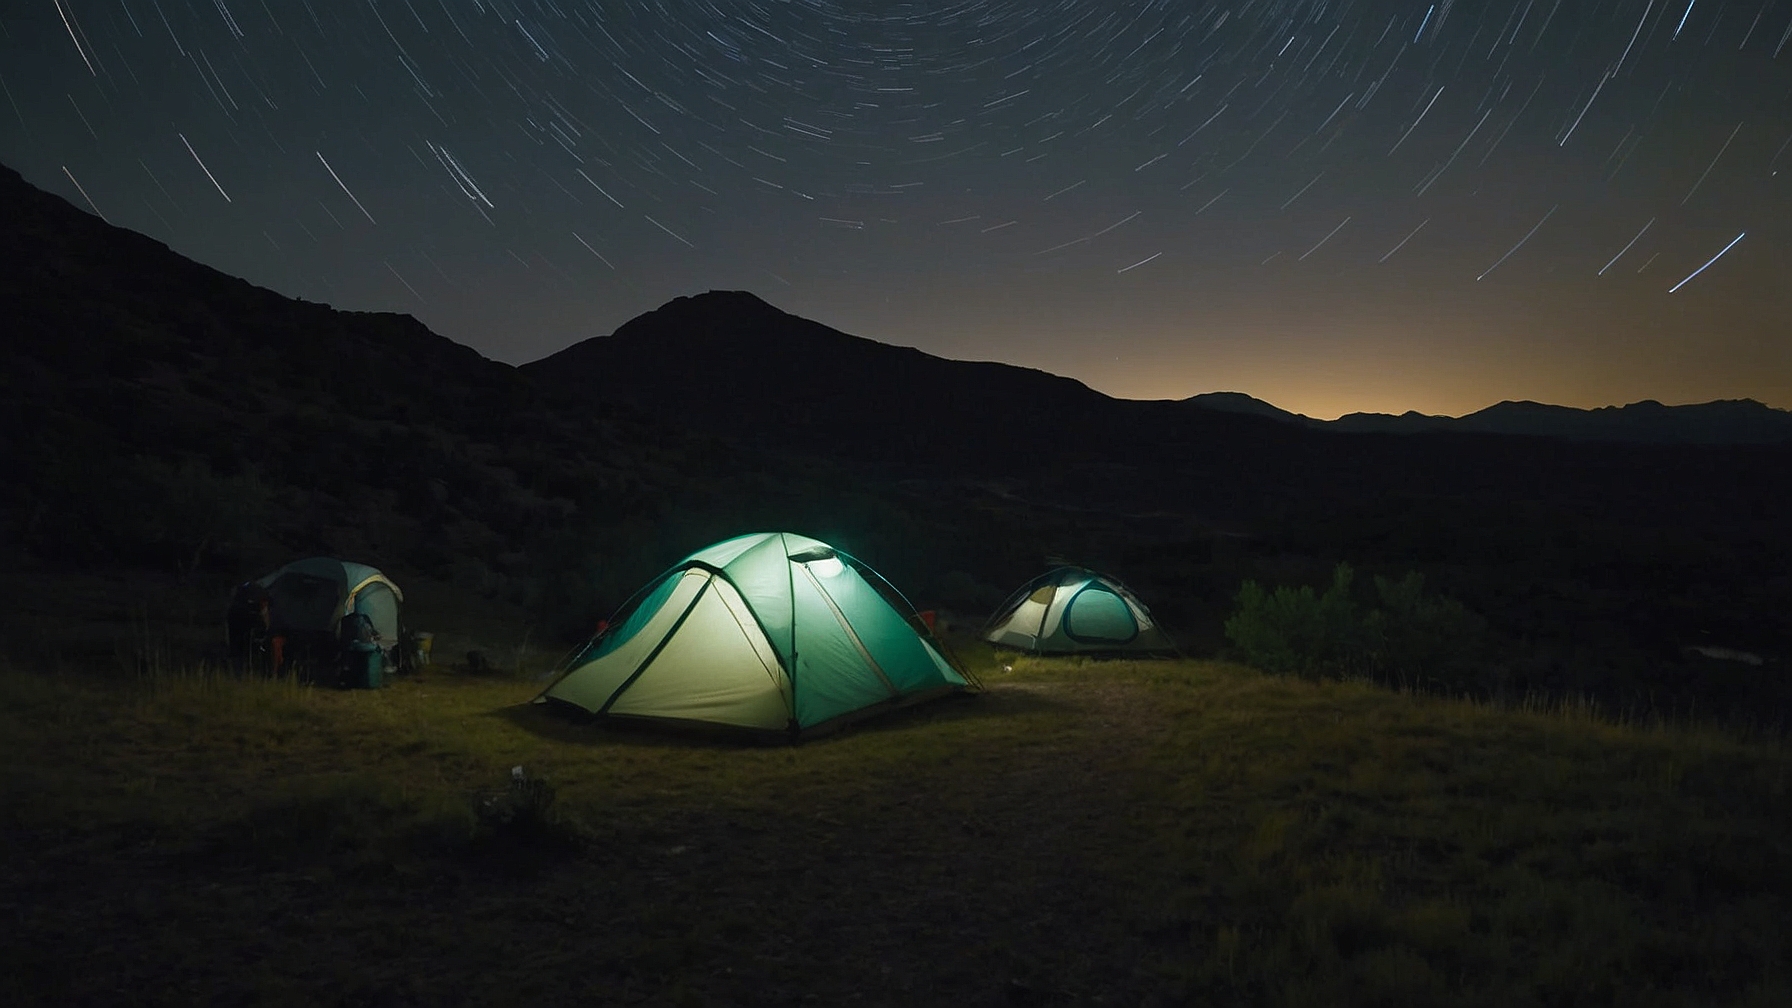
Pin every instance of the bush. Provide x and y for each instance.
(519, 827)
(1420, 639)
(1408, 637)
(1295, 630)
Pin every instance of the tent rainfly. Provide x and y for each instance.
(1070, 610)
(769, 632)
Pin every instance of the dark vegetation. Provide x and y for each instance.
(1406, 636)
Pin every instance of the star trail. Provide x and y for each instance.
(1331, 204)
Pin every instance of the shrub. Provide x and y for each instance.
(1409, 636)
(1420, 639)
(520, 827)
(1295, 630)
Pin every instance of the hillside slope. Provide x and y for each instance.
(162, 413)
(163, 417)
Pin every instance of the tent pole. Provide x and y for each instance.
(790, 587)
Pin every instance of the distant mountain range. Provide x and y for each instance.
(744, 353)
(726, 364)
(155, 412)
(1724, 421)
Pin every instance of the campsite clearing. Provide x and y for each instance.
(1084, 832)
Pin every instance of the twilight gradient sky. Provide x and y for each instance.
(1334, 205)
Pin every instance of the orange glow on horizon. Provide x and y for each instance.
(1355, 347)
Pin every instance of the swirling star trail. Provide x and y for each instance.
(542, 171)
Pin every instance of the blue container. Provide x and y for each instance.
(364, 666)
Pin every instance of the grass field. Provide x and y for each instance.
(1120, 833)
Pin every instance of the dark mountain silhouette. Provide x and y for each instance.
(1725, 421)
(1238, 402)
(730, 365)
(158, 412)
(1409, 422)
(743, 352)
(735, 365)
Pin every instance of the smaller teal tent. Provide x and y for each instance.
(313, 610)
(315, 594)
(1070, 610)
(771, 632)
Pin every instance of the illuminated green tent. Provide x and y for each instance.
(768, 632)
(1068, 610)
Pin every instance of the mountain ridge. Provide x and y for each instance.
(739, 366)
(1720, 421)
(737, 333)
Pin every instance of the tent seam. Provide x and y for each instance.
(657, 648)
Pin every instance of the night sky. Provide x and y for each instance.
(1336, 205)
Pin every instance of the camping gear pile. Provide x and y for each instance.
(771, 634)
(330, 620)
